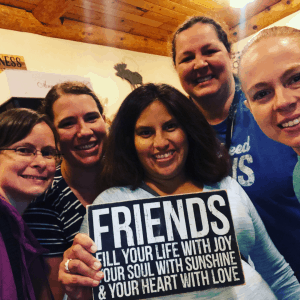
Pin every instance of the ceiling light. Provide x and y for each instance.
(239, 3)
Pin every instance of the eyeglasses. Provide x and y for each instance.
(31, 152)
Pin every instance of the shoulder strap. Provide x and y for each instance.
(14, 254)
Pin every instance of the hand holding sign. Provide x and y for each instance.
(169, 245)
(83, 268)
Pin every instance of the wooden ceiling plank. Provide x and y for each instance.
(161, 18)
(168, 27)
(29, 6)
(232, 16)
(206, 6)
(125, 15)
(116, 5)
(49, 11)
(148, 6)
(269, 16)
(94, 19)
(119, 24)
(20, 20)
(177, 7)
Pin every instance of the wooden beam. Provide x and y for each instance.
(269, 16)
(123, 25)
(20, 20)
(49, 11)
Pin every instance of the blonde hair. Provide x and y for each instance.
(276, 31)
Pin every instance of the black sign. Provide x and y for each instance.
(165, 245)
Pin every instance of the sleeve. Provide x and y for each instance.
(269, 263)
(46, 226)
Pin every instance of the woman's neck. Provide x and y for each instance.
(84, 182)
(173, 186)
(216, 108)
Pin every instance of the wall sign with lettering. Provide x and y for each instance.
(165, 245)
(15, 62)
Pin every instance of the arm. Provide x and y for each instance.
(267, 260)
(55, 286)
(84, 269)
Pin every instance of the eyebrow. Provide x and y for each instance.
(286, 73)
(205, 47)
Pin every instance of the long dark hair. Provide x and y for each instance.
(207, 160)
(221, 33)
(68, 87)
(17, 123)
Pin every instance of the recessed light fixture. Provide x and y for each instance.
(239, 3)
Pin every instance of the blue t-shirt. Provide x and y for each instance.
(264, 169)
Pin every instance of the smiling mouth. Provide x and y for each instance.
(290, 123)
(86, 146)
(204, 79)
(165, 155)
(34, 177)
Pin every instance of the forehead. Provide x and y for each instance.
(198, 34)
(69, 104)
(269, 54)
(34, 136)
(153, 113)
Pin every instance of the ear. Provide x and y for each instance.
(246, 102)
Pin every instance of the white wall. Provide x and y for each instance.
(53, 55)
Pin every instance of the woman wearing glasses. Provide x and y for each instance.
(55, 217)
(27, 167)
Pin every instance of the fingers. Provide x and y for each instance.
(81, 250)
(76, 266)
(77, 280)
(85, 241)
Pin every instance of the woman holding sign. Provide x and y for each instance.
(160, 145)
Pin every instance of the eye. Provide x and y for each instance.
(211, 51)
(186, 59)
(49, 153)
(66, 124)
(295, 80)
(144, 133)
(92, 117)
(171, 126)
(26, 151)
(261, 94)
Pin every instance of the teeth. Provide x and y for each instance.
(203, 79)
(291, 123)
(159, 156)
(85, 147)
(34, 177)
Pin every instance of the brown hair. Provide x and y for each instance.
(68, 87)
(222, 35)
(17, 123)
(207, 160)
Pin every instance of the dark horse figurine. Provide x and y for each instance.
(134, 78)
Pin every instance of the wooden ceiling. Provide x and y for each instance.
(138, 25)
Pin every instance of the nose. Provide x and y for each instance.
(84, 130)
(285, 100)
(160, 141)
(39, 161)
(200, 62)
